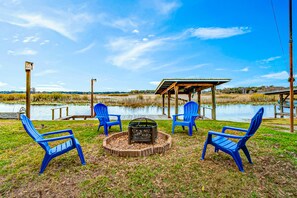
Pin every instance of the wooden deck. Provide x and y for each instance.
(153, 117)
(123, 117)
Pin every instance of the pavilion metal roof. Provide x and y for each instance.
(283, 91)
(201, 83)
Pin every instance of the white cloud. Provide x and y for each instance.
(90, 46)
(217, 32)
(246, 69)
(50, 87)
(145, 39)
(220, 69)
(135, 31)
(46, 72)
(132, 54)
(270, 59)
(65, 23)
(31, 39)
(2, 84)
(15, 38)
(22, 52)
(124, 24)
(44, 42)
(155, 83)
(280, 76)
(166, 8)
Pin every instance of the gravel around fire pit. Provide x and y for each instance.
(122, 143)
(117, 144)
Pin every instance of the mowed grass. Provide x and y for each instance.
(177, 173)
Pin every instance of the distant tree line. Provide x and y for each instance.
(249, 90)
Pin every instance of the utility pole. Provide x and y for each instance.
(28, 68)
(92, 96)
(291, 78)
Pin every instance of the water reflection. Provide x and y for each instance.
(236, 112)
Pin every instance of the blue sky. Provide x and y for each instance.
(129, 44)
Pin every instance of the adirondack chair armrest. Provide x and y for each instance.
(234, 129)
(56, 138)
(210, 133)
(175, 115)
(57, 132)
(115, 115)
(194, 116)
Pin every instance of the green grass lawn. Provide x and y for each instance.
(177, 173)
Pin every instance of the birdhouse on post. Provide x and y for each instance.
(28, 68)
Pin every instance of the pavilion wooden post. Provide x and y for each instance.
(176, 99)
(168, 104)
(28, 68)
(281, 104)
(199, 101)
(213, 98)
(163, 104)
(189, 96)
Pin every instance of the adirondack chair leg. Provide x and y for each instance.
(204, 150)
(80, 154)
(216, 150)
(106, 130)
(190, 130)
(98, 127)
(45, 162)
(247, 154)
(120, 126)
(237, 159)
(173, 126)
(195, 127)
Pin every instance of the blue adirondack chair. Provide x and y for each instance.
(103, 117)
(221, 141)
(190, 114)
(51, 153)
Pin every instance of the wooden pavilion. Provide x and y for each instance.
(178, 86)
(283, 96)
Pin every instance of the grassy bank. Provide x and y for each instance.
(134, 100)
(177, 173)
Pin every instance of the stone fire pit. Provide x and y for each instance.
(117, 144)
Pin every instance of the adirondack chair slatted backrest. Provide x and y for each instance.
(190, 108)
(32, 132)
(255, 124)
(101, 110)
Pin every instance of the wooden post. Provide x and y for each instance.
(213, 98)
(67, 111)
(176, 99)
(168, 104)
(163, 104)
(203, 112)
(60, 112)
(274, 110)
(92, 96)
(53, 114)
(28, 68)
(281, 104)
(189, 96)
(291, 78)
(199, 101)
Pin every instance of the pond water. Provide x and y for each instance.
(234, 112)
